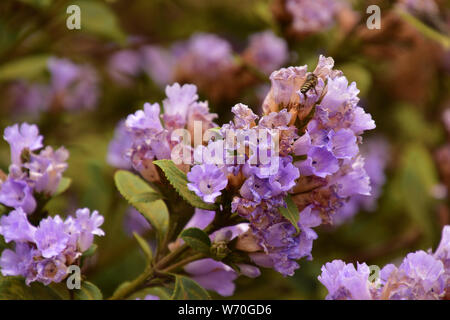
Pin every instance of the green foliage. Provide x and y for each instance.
(178, 180)
(24, 68)
(416, 178)
(197, 239)
(63, 186)
(290, 212)
(145, 247)
(14, 288)
(130, 186)
(98, 18)
(88, 291)
(90, 252)
(188, 289)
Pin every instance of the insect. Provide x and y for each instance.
(310, 83)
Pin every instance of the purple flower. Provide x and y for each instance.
(73, 86)
(207, 181)
(124, 65)
(43, 253)
(119, 146)
(22, 137)
(204, 54)
(15, 227)
(309, 16)
(51, 238)
(179, 100)
(88, 225)
(158, 63)
(17, 262)
(344, 282)
(213, 275)
(145, 120)
(267, 51)
(421, 276)
(134, 221)
(46, 169)
(17, 194)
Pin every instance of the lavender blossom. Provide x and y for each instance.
(43, 253)
(376, 152)
(266, 51)
(311, 16)
(119, 146)
(31, 172)
(151, 140)
(207, 181)
(421, 276)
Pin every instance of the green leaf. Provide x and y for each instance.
(161, 292)
(188, 289)
(428, 32)
(98, 18)
(290, 212)
(417, 178)
(3, 209)
(197, 239)
(145, 247)
(14, 288)
(90, 252)
(88, 291)
(178, 180)
(147, 197)
(24, 68)
(64, 184)
(130, 185)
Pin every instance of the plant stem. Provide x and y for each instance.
(167, 259)
(182, 263)
(124, 291)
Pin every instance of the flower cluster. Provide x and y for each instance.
(206, 60)
(327, 153)
(71, 87)
(44, 253)
(34, 171)
(376, 154)
(313, 153)
(143, 138)
(212, 274)
(421, 276)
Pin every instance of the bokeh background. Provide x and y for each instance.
(402, 71)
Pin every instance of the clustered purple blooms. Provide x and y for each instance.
(376, 156)
(202, 56)
(333, 169)
(266, 51)
(421, 276)
(144, 137)
(330, 170)
(71, 87)
(311, 16)
(154, 61)
(209, 273)
(31, 172)
(44, 253)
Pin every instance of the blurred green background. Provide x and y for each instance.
(401, 72)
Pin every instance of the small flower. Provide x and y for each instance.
(207, 181)
(15, 227)
(20, 138)
(51, 238)
(16, 193)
